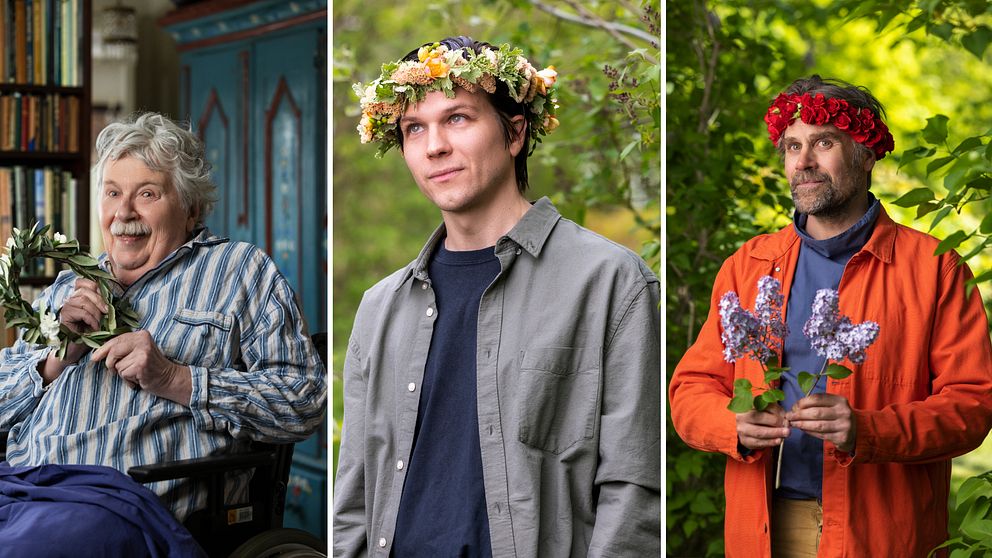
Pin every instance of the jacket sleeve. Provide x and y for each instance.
(628, 513)
(702, 384)
(21, 386)
(281, 394)
(349, 515)
(955, 418)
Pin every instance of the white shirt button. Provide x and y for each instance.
(411, 387)
(399, 465)
(518, 251)
(430, 312)
(423, 286)
(382, 542)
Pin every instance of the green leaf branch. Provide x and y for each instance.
(41, 326)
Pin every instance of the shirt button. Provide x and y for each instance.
(411, 387)
(382, 542)
(777, 268)
(518, 251)
(430, 312)
(423, 286)
(399, 465)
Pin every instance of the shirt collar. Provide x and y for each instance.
(201, 237)
(847, 242)
(530, 233)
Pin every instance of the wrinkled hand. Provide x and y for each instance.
(81, 313)
(825, 416)
(137, 359)
(762, 429)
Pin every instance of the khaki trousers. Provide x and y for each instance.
(796, 528)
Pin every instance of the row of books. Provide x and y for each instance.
(39, 122)
(46, 195)
(40, 42)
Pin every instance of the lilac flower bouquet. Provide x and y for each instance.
(833, 336)
(757, 335)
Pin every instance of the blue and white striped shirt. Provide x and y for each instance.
(220, 307)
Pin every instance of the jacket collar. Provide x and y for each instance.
(530, 233)
(881, 244)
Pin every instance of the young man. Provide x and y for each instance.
(501, 391)
(866, 460)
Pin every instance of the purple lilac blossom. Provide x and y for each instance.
(759, 334)
(832, 335)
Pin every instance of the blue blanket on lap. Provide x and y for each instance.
(85, 510)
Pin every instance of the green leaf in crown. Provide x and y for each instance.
(42, 327)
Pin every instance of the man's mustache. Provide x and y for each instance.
(809, 176)
(129, 228)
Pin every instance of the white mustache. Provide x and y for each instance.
(129, 228)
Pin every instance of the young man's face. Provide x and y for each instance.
(456, 150)
(825, 176)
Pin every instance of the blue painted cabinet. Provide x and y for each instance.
(253, 86)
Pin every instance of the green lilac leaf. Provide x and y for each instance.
(806, 381)
(926, 208)
(977, 41)
(773, 374)
(940, 216)
(915, 154)
(951, 242)
(937, 163)
(915, 196)
(983, 183)
(935, 131)
(741, 403)
(967, 145)
(838, 372)
(970, 488)
(760, 403)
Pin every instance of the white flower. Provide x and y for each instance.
(60, 238)
(49, 326)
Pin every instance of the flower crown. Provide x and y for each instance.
(440, 69)
(863, 125)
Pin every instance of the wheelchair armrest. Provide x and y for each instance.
(200, 466)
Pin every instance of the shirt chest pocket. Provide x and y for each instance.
(199, 338)
(558, 397)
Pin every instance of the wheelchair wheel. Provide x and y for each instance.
(282, 543)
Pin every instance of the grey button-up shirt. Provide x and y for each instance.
(569, 383)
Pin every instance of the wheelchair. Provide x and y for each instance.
(245, 530)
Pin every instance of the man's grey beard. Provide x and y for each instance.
(129, 228)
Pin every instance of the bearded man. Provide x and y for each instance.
(866, 460)
(501, 392)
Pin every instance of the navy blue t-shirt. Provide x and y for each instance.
(820, 266)
(443, 507)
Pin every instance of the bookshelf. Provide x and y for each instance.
(45, 100)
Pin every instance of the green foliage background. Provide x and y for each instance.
(725, 61)
(601, 167)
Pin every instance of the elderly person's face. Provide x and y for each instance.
(142, 217)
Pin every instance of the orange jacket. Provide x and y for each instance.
(922, 396)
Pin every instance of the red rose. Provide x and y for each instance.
(842, 120)
(834, 105)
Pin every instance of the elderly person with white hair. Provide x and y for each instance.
(221, 356)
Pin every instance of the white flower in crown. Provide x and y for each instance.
(60, 238)
(49, 326)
